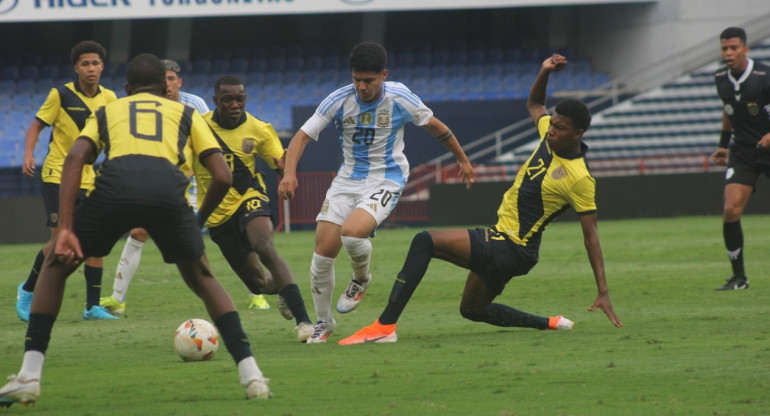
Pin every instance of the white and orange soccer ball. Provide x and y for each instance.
(196, 340)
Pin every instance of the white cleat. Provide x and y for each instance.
(352, 296)
(258, 389)
(16, 390)
(322, 331)
(304, 331)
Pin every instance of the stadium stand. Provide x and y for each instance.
(281, 77)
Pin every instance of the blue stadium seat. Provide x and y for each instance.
(49, 71)
(474, 83)
(6, 161)
(438, 85)
(220, 66)
(476, 56)
(512, 55)
(333, 61)
(26, 86)
(434, 71)
(419, 86)
(423, 58)
(440, 57)
(295, 63)
(290, 91)
(270, 92)
(292, 76)
(43, 85)
(273, 77)
(268, 111)
(283, 119)
(66, 69)
(313, 63)
(459, 57)
(311, 76)
(7, 87)
(257, 64)
(599, 78)
(29, 72)
(201, 66)
(11, 72)
(22, 102)
(276, 63)
(494, 55)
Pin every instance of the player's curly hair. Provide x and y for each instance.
(368, 57)
(733, 32)
(227, 80)
(577, 111)
(87, 46)
(145, 70)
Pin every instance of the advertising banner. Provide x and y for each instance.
(58, 10)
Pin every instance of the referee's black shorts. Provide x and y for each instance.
(746, 163)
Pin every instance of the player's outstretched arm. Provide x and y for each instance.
(594, 250)
(443, 135)
(67, 248)
(289, 183)
(537, 93)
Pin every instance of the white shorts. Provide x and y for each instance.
(377, 196)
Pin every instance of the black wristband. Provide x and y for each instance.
(724, 138)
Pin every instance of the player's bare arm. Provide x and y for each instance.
(537, 93)
(594, 250)
(67, 247)
(764, 142)
(30, 141)
(720, 155)
(444, 135)
(289, 183)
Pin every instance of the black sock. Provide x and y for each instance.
(93, 285)
(416, 264)
(293, 298)
(502, 315)
(235, 339)
(38, 332)
(29, 285)
(734, 243)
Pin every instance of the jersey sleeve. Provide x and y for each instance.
(582, 198)
(49, 111)
(90, 131)
(418, 111)
(314, 125)
(270, 147)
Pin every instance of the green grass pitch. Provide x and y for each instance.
(685, 349)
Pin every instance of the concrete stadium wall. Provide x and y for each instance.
(650, 196)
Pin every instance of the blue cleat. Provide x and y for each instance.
(23, 302)
(97, 312)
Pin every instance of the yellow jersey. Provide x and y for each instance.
(66, 110)
(241, 146)
(148, 142)
(545, 186)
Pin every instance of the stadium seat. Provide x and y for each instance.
(201, 66)
(276, 63)
(11, 72)
(49, 71)
(22, 102)
(7, 87)
(29, 72)
(257, 64)
(220, 66)
(26, 86)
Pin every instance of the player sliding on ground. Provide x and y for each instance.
(554, 178)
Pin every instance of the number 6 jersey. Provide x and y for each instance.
(371, 134)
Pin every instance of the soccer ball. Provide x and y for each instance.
(196, 340)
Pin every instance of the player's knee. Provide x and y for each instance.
(423, 242)
(471, 314)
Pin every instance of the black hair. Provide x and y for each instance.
(576, 111)
(145, 70)
(87, 46)
(228, 79)
(368, 57)
(733, 32)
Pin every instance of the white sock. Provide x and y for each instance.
(322, 286)
(360, 253)
(248, 370)
(32, 365)
(129, 262)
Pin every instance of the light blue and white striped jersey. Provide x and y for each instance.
(192, 100)
(371, 134)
